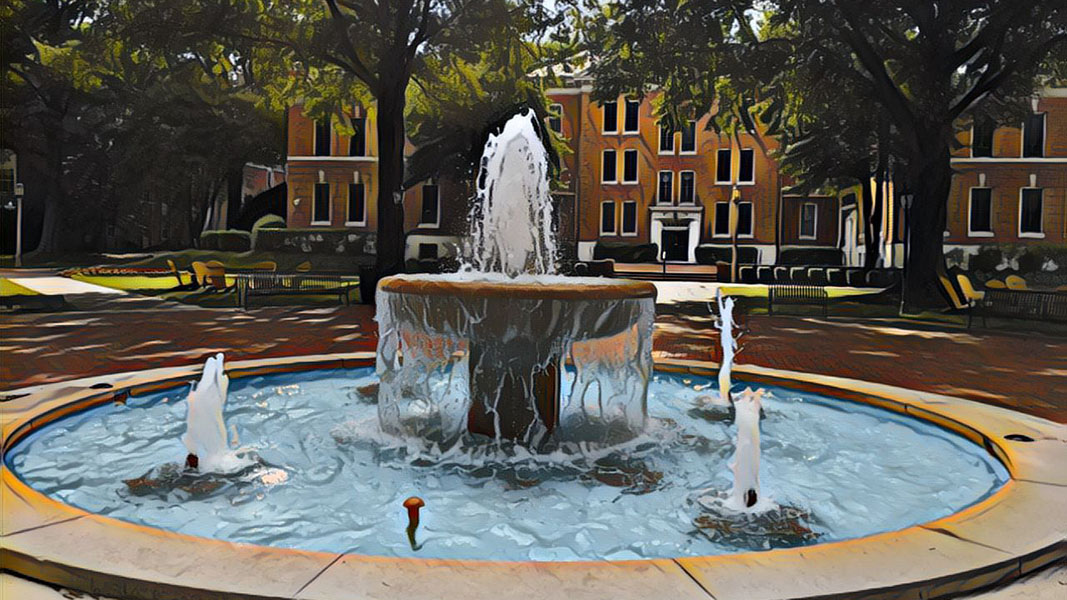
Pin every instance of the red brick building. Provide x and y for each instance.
(1011, 180)
(636, 182)
(332, 184)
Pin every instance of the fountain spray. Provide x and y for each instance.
(745, 463)
(206, 437)
(725, 325)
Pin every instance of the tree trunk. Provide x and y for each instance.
(390, 128)
(930, 184)
(52, 201)
(872, 213)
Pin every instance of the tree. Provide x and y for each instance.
(929, 64)
(383, 48)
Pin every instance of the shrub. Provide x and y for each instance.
(707, 254)
(315, 240)
(230, 240)
(811, 256)
(626, 253)
(986, 260)
(268, 221)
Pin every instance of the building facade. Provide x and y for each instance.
(1010, 185)
(332, 184)
(636, 181)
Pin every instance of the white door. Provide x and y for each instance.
(851, 251)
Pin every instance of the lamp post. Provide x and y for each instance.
(735, 199)
(906, 199)
(19, 191)
(17, 207)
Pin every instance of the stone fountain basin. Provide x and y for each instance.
(1020, 528)
(497, 308)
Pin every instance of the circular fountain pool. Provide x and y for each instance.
(327, 479)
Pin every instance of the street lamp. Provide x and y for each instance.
(906, 200)
(17, 207)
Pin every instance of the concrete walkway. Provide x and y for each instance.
(55, 285)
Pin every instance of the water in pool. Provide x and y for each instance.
(325, 477)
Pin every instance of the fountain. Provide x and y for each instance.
(206, 437)
(482, 350)
(745, 464)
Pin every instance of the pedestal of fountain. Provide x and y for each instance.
(514, 335)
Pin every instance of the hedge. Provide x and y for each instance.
(707, 254)
(229, 240)
(316, 240)
(811, 256)
(1042, 265)
(626, 253)
(268, 221)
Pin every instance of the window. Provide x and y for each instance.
(322, 137)
(607, 218)
(665, 191)
(629, 218)
(629, 166)
(981, 212)
(982, 137)
(428, 251)
(7, 181)
(666, 139)
(807, 220)
(608, 167)
(357, 205)
(746, 170)
(431, 206)
(1034, 136)
(689, 138)
(555, 117)
(687, 187)
(630, 120)
(1030, 207)
(722, 219)
(357, 146)
(744, 219)
(320, 210)
(722, 166)
(611, 117)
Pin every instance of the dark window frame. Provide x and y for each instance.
(751, 154)
(741, 219)
(423, 206)
(682, 176)
(721, 227)
(660, 180)
(1023, 216)
(323, 126)
(627, 207)
(726, 164)
(626, 154)
(666, 139)
(321, 195)
(555, 117)
(971, 213)
(357, 144)
(814, 222)
(604, 213)
(1032, 146)
(627, 114)
(613, 163)
(610, 107)
(691, 129)
(362, 199)
(982, 132)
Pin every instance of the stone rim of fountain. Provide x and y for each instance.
(990, 542)
(577, 289)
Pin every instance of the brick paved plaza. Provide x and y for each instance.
(114, 333)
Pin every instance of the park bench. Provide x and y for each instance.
(797, 294)
(282, 284)
(1024, 304)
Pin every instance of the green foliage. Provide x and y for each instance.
(268, 221)
(229, 240)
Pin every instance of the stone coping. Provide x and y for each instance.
(1018, 529)
(606, 289)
